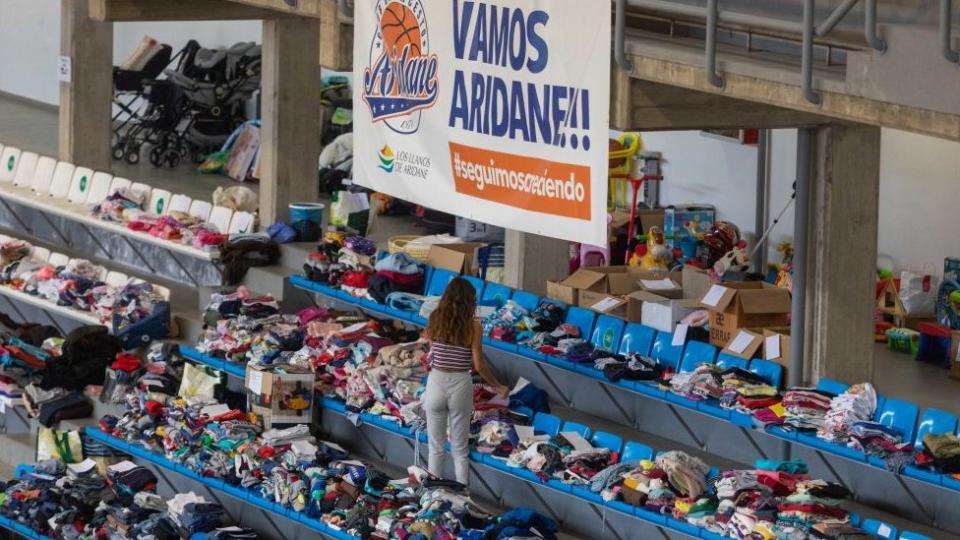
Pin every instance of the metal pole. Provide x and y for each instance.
(712, 19)
(946, 44)
(763, 196)
(870, 27)
(620, 37)
(835, 17)
(800, 227)
(809, 8)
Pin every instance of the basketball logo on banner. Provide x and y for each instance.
(401, 79)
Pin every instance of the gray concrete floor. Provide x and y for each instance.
(34, 127)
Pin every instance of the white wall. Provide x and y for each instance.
(30, 41)
(29, 48)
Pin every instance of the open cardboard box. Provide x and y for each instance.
(776, 345)
(744, 344)
(460, 258)
(280, 398)
(746, 304)
(657, 311)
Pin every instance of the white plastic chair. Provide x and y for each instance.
(116, 279)
(9, 160)
(58, 259)
(99, 187)
(241, 223)
(159, 202)
(200, 209)
(4, 239)
(26, 169)
(43, 176)
(80, 185)
(220, 218)
(60, 185)
(40, 254)
(179, 203)
(118, 183)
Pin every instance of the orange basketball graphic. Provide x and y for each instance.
(400, 27)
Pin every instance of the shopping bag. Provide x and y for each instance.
(197, 382)
(918, 292)
(64, 446)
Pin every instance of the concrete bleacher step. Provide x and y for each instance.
(190, 325)
(17, 448)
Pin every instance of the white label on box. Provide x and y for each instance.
(255, 382)
(606, 304)
(64, 69)
(741, 342)
(664, 284)
(772, 347)
(713, 296)
(680, 335)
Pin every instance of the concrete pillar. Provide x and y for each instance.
(85, 137)
(531, 260)
(842, 252)
(290, 133)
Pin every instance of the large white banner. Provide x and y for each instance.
(497, 111)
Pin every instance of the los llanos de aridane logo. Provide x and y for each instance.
(401, 79)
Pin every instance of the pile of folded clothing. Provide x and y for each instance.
(940, 453)
(241, 328)
(804, 409)
(121, 205)
(878, 440)
(746, 392)
(630, 367)
(74, 501)
(347, 263)
(178, 227)
(398, 272)
(291, 468)
(704, 382)
(857, 404)
(52, 405)
(567, 456)
(505, 322)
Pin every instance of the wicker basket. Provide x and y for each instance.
(398, 244)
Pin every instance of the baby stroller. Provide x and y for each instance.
(195, 108)
(131, 81)
(214, 88)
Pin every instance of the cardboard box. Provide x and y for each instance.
(604, 279)
(658, 312)
(558, 291)
(459, 258)
(776, 345)
(615, 306)
(744, 344)
(666, 287)
(955, 355)
(280, 398)
(696, 282)
(747, 304)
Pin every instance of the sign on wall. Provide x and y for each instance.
(497, 111)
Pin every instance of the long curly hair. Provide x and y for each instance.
(452, 321)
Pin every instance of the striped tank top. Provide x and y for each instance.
(451, 357)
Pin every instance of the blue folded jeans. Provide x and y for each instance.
(405, 301)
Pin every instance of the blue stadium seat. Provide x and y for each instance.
(933, 421)
(771, 372)
(495, 294)
(664, 352)
(696, 353)
(576, 427)
(439, 281)
(634, 451)
(879, 529)
(727, 361)
(478, 284)
(527, 301)
(899, 415)
(832, 386)
(910, 535)
(607, 333)
(546, 423)
(637, 339)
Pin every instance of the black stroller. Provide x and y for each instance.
(195, 108)
(130, 88)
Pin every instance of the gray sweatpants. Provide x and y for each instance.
(448, 400)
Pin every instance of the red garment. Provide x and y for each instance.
(356, 279)
(154, 408)
(818, 509)
(402, 280)
(126, 362)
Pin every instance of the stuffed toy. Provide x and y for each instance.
(657, 257)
